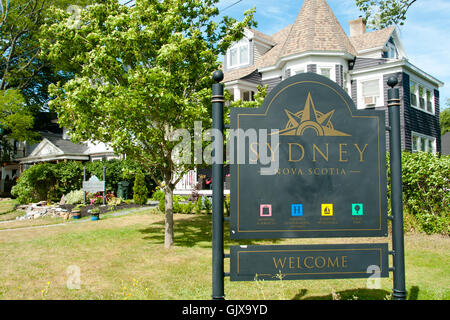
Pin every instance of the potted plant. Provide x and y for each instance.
(76, 212)
(95, 214)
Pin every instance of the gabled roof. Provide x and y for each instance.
(53, 147)
(268, 59)
(316, 28)
(370, 40)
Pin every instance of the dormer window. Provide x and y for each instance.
(391, 51)
(239, 54)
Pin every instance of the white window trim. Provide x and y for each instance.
(425, 88)
(298, 68)
(423, 136)
(327, 66)
(238, 45)
(359, 91)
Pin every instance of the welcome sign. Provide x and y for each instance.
(307, 163)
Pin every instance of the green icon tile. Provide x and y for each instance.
(357, 209)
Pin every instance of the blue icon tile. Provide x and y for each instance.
(297, 210)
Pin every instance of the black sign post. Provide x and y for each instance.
(217, 187)
(399, 291)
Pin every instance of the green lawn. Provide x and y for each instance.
(7, 211)
(123, 258)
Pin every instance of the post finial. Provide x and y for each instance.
(217, 75)
(392, 81)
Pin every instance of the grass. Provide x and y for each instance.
(123, 258)
(7, 210)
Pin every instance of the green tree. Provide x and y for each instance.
(140, 191)
(21, 66)
(445, 119)
(15, 119)
(380, 14)
(16, 122)
(140, 74)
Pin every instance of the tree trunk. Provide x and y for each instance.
(168, 198)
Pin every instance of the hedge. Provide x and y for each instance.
(426, 192)
(47, 181)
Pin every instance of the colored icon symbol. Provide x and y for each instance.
(327, 209)
(357, 209)
(296, 210)
(265, 210)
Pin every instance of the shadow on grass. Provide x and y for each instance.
(351, 294)
(357, 294)
(192, 232)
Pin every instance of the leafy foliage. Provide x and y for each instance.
(140, 192)
(21, 66)
(445, 121)
(139, 74)
(380, 14)
(15, 119)
(426, 191)
(75, 197)
(48, 181)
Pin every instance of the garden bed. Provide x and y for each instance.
(84, 211)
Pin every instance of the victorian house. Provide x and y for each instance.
(360, 62)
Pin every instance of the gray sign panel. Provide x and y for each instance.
(330, 178)
(294, 262)
(93, 185)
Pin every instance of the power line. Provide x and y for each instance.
(231, 5)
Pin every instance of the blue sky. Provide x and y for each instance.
(425, 34)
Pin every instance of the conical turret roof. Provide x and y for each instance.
(316, 28)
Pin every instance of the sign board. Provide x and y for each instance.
(93, 185)
(307, 163)
(294, 262)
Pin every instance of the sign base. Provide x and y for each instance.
(306, 262)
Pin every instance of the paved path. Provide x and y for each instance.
(113, 214)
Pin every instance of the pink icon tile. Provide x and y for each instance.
(265, 210)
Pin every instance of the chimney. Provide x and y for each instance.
(357, 27)
(66, 134)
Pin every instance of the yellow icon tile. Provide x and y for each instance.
(327, 209)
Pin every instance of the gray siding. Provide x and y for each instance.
(417, 120)
(354, 92)
(361, 63)
(287, 73)
(311, 68)
(254, 77)
(340, 75)
(271, 83)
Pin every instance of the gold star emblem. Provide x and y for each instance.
(310, 119)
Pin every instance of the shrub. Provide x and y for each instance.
(37, 183)
(140, 190)
(158, 195)
(74, 197)
(426, 191)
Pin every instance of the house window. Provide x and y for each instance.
(248, 96)
(412, 89)
(371, 92)
(326, 72)
(429, 101)
(239, 54)
(391, 52)
(423, 143)
(421, 97)
(298, 71)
